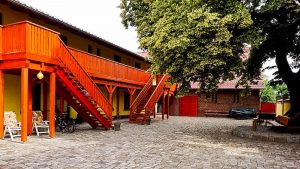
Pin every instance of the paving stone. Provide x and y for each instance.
(180, 142)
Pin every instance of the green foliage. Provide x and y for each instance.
(202, 40)
(192, 40)
(270, 93)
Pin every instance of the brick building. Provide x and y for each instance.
(218, 104)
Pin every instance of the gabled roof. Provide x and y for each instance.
(35, 13)
(232, 85)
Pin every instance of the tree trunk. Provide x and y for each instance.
(292, 80)
(294, 112)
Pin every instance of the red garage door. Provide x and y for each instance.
(188, 106)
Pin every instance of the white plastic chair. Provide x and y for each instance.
(38, 123)
(12, 126)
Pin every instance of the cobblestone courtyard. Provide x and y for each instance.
(180, 142)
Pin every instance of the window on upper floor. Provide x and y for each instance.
(90, 49)
(117, 58)
(64, 39)
(1, 19)
(137, 65)
(126, 101)
(98, 52)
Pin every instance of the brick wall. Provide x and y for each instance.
(224, 101)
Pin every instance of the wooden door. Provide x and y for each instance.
(188, 106)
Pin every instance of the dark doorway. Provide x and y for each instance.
(36, 97)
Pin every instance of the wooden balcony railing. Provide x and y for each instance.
(100, 67)
(31, 41)
(26, 40)
(157, 93)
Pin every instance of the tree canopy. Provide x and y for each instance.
(192, 40)
(202, 40)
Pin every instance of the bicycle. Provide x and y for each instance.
(64, 124)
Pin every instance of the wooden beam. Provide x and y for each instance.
(110, 89)
(118, 84)
(52, 105)
(24, 103)
(44, 68)
(14, 64)
(1, 103)
(131, 93)
(30, 85)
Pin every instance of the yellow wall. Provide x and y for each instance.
(75, 41)
(122, 112)
(12, 94)
(282, 108)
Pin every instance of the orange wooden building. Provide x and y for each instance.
(98, 79)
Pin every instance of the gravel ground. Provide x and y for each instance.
(180, 142)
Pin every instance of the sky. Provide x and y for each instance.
(99, 17)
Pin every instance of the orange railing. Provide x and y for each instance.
(100, 67)
(66, 58)
(0, 41)
(25, 39)
(157, 93)
(15, 38)
(141, 96)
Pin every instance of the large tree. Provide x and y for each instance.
(202, 40)
(192, 40)
(278, 24)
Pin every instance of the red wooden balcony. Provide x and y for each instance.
(26, 40)
(99, 67)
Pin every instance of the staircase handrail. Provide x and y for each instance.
(141, 95)
(84, 79)
(157, 92)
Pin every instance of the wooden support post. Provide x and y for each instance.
(163, 106)
(24, 103)
(131, 93)
(1, 42)
(118, 102)
(61, 105)
(154, 110)
(1, 103)
(173, 105)
(29, 120)
(52, 105)
(168, 105)
(110, 89)
(45, 100)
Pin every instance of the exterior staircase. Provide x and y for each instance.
(80, 91)
(143, 106)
